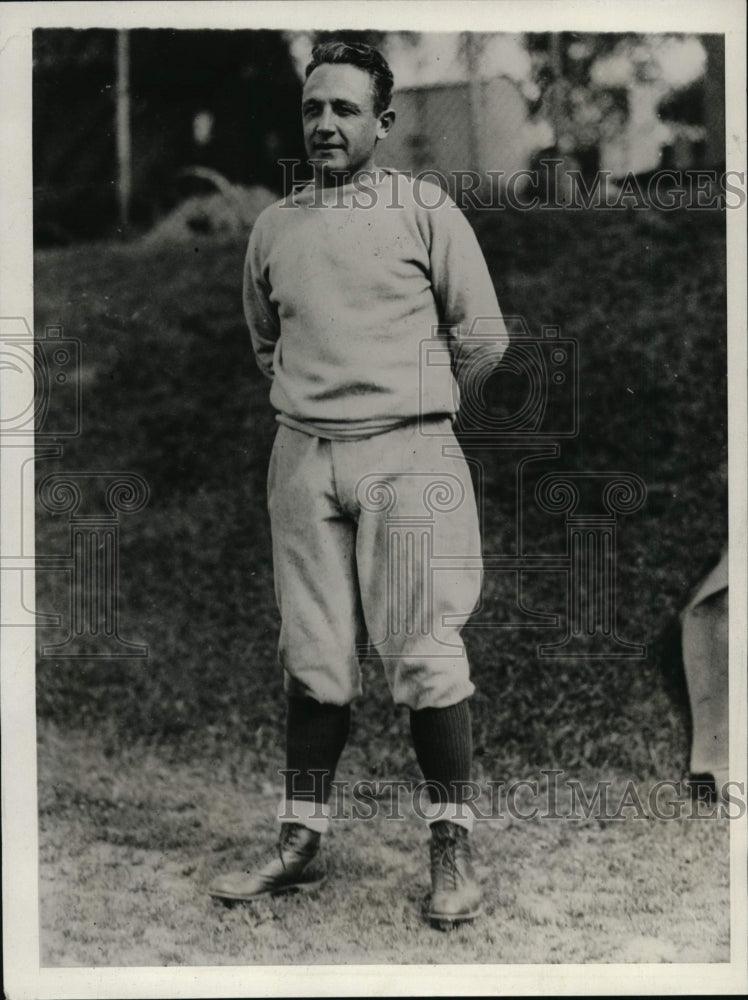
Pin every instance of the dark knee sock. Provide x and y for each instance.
(442, 738)
(315, 737)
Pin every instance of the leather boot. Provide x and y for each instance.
(297, 846)
(455, 895)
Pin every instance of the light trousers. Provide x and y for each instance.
(375, 541)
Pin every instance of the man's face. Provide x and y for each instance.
(340, 127)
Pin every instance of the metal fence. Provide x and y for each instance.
(455, 127)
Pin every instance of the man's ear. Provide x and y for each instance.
(385, 123)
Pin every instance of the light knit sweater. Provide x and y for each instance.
(362, 301)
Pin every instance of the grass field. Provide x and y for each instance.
(129, 843)
(157, 773)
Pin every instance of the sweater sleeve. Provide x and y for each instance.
(259, 310)
(464, 293)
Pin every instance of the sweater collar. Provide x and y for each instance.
(343, 195)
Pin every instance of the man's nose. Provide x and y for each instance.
(326, 123)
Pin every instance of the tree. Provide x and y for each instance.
(243, 81)
(586, 82)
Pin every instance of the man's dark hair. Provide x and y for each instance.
(363, 56)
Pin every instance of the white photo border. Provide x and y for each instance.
(23, 975)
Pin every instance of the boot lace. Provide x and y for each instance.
(446, 848)
(288, 837)
(289, 840)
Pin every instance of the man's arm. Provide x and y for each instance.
(465, 295)
(260, 313)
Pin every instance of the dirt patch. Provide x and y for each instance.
(126, 859)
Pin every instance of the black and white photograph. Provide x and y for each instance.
(373, 441)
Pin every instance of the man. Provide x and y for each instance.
(367, 490)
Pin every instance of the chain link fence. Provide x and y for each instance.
(451, 128)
